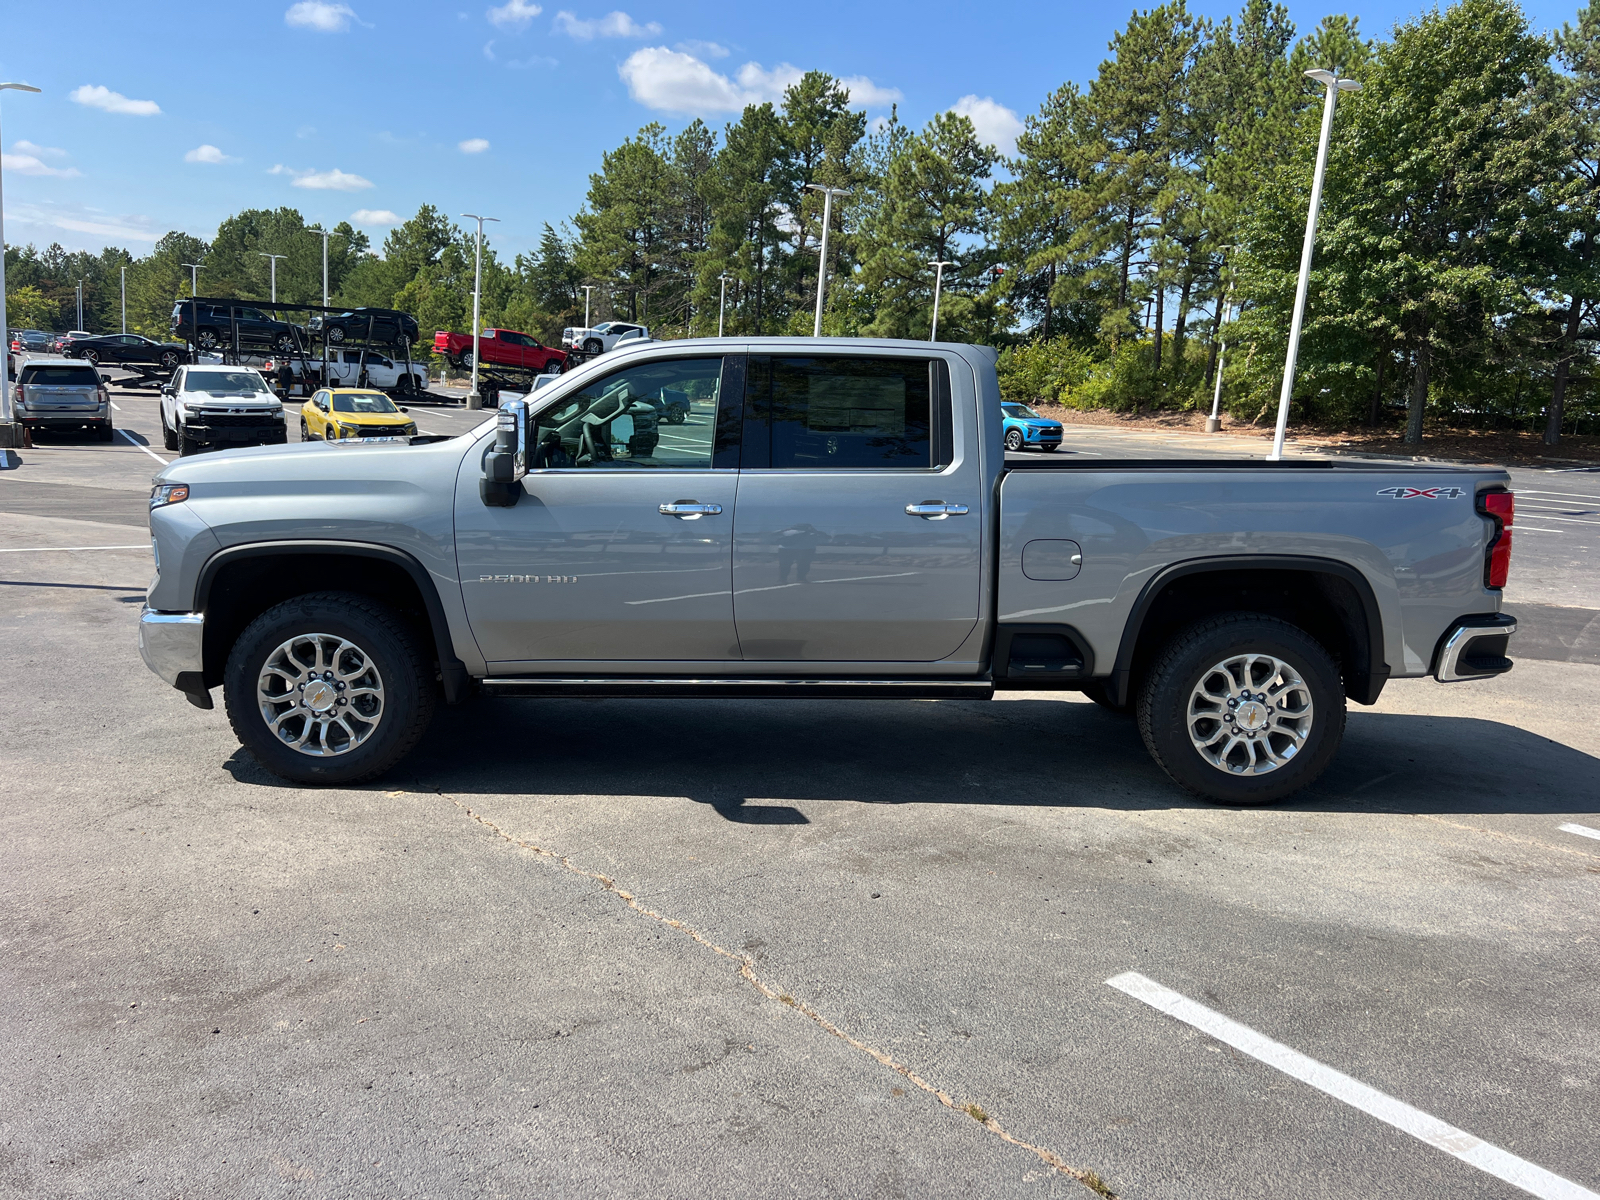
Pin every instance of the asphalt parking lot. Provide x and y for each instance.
(661, 948)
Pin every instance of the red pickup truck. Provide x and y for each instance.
(501, 347)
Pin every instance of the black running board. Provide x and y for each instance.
(785, 689)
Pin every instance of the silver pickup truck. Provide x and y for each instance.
(833, 518)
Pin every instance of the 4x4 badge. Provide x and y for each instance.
(1433, 493)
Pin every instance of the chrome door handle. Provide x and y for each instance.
(688, 510)
(935, 510)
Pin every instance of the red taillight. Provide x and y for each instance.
(1501, 507)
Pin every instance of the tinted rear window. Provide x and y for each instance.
(60, 376)
(845, 412)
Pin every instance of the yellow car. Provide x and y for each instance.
(335, 413)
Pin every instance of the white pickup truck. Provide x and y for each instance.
(605, 336)
(344, 368)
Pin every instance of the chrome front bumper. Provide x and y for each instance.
(171, 645)
(1475, 648)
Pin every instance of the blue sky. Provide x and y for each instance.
(172, 116)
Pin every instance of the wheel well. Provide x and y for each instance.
(241, 589)
(1341, 615)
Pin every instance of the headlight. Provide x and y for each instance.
(168, 493)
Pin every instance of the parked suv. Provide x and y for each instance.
(377, 326)
(57, 393)
(212, 407)
(210, 326)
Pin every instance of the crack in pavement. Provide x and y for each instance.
(1050, 1158)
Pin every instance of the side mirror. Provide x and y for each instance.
(167, 389)
(403, 408)
(507, 463)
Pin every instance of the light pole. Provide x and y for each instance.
(80, 304)
(1214, 421)
(274, 258)
(587, 288)
(1333, 86)
(938, 281)
(124, 297)
(5, 337)
(194, 277)
(317, 229)
(722, 302)
(473, 399)
(828, 193)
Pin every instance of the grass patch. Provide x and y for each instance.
(790, 1001)
(1097, 1185)
(977, 1114)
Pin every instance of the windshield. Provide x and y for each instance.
(362, 402)
(1018, 410)
(603, 327)
(226, 383)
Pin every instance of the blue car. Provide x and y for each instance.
(1027, 430)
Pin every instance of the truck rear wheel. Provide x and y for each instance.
(330, 687)
(1243, 709)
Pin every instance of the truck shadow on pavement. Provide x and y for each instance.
(769, 762)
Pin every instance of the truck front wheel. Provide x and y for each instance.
(1243, 709)
(328, 688)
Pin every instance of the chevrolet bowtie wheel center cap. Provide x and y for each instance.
(320, 697)
(1252, 715)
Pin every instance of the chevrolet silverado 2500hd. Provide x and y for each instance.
(833, 518)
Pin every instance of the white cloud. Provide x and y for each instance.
(866, 94)
(513, 14)
(488, 49)
(208, 154)
(672, 81)
(376, 216)
(330, 181)
(675, 81)
(612, 25)
(473, 145)
(702, 49)
(32, 164)
(996, 124)
(334, 181)
(27, 147)
(80, 219)
(97, 96)
(320, 16)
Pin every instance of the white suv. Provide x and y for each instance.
(212, 407)
(602, 337)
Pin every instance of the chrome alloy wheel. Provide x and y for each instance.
(1250, 714)
(320, 694)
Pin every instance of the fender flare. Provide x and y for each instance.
(452, 671)
(1366, 685)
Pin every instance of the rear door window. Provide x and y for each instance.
(846, 412)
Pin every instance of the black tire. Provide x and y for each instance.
(187, 446)
(594, 346)
(464, 363)
(207, 339)
(1049, 449)
(169, 436)
(1013, 439)
(170, 360)
(106, 432)
(387, 645)
(335, 334)
(1193, 655)
(552, 367)
(91, 357)
(305, 430)
(283, 343)
(676, 416)
(406, 385)
(1100, 693)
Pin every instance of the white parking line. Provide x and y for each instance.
(1580, 830)
(139, 446)
(1497, 1162)
(46, 549)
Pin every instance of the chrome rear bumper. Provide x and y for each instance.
(1474, 648)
